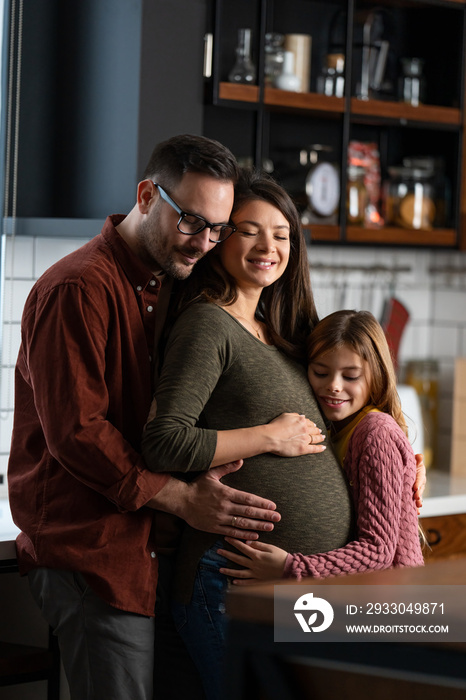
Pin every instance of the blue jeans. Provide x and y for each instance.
(203, 623)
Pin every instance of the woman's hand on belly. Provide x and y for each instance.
(260, 561)
(293, 435)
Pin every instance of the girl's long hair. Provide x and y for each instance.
(286, 306)
(361, 331)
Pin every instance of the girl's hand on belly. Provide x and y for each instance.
(260, 561)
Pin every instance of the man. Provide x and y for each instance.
(79, 489)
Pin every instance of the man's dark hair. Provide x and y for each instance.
(187, 153)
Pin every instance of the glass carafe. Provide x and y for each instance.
(244, 70)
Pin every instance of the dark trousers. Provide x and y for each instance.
(109, 653)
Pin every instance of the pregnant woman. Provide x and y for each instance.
(234, 364)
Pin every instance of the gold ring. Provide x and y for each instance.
(312, 439)
(233, 521)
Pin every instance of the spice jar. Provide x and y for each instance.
(409, 198)
(356, 195)
(423, 376)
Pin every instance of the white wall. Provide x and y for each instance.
(436, 301)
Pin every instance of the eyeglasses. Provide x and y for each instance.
(190, 224)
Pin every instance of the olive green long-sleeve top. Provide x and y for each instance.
(219, 376)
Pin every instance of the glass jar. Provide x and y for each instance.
(409, 198)
(273, 57)
(244, 70)
(331, 81)
(356, 195)
(412, 82)
(423, 376)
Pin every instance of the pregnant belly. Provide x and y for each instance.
(311, 495)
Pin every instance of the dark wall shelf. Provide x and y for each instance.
(283, 122)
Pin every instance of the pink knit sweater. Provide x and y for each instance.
(381, 470)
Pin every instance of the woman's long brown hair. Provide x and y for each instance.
(286, 306)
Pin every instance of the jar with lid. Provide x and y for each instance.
(274, 53)
(435, 167)
(409, 198)
(423, 376)
(356, 195)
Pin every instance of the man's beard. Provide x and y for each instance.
(157, 252)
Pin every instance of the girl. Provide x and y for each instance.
(352, 375)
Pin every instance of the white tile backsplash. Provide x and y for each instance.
(49, 250)
(15, 294)
(415, 341)
(6, 426)
(417, 301)
(7, 386)
(462, 340)
(11, 340)
(445, 341)
(19, 259)
(449, 305)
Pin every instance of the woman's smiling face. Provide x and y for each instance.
(257, 254)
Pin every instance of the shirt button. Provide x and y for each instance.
(153, 555)
(139, 288)
(152, 283)
(150, 308)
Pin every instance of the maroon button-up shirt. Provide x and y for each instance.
(77, 481)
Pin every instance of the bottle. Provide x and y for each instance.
(356, 195)
(287, 80)
(423, 376)
(244, 70)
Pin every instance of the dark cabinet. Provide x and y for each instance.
(413, 121)
(446, 536)
(95, 85)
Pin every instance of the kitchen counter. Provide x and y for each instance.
(444, 495)
(322, 670)
(8, 532)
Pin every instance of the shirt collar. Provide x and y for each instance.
(138, 274)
